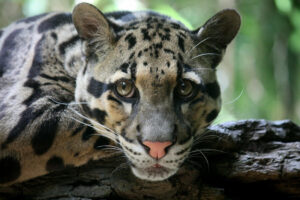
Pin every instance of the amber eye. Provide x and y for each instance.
(125, 88)
(184, 88)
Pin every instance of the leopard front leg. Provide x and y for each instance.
(48, 136)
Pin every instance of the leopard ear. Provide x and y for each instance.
(90, 23)
(221, 28)
(216, 34)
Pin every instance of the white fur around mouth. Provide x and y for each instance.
(153, 173)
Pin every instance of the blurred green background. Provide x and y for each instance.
(260, 73)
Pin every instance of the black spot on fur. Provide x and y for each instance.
(36, 94)
(213, 89)
(145, 33)
(182, 35)
(99, 115)
(159, 45)
(55, 164)
(181, 43)
(77, 130)
(145, 63)
(175, 26)
(10, 169)
(44, 135)
(211, 116)
(167, 30)
(88, 133)
(101, 142)
(131, 40)
(168, 64)
(166, 36)
(124, 67)
(7, 49)
(54, 22)
(131, 55)
(69, 43)
(140, 53)
(54, 36)
(38, 61)
(179, 71)
(133, 70)
(31, 19)
(87, 110)
(169, 51)
(97, 88)
(27, 116)
(156, 53)
(56, 78)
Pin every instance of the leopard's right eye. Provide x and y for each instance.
(185, 89)
(125, 88)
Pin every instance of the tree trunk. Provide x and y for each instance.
(251, 159)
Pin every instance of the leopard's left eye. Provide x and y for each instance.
(125, 88)
(184, 89)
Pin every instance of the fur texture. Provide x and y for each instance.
(62, 77)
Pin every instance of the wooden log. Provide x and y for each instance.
(249, 159)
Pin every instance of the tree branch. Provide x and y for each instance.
(250, 159)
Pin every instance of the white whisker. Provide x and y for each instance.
(196, 151)
(91, 120)
(110, 147)
(106, 132)
(201, 153)
(237, 98)
(103, 133)
(202, 41)
(67, 104)
(206, 54)
(203, 69)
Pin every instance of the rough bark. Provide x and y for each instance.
(250, 159)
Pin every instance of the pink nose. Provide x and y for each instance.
(157, 149)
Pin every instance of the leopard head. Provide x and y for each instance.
(151, 81)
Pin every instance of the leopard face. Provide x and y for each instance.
(150, 84)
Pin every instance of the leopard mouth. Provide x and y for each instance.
(155, 172)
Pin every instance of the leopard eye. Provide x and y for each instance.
(185, 88)
(125, 88)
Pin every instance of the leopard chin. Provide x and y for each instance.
(153, 173)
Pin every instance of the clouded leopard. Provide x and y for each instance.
(73, 84)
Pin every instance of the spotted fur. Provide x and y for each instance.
(58, 101)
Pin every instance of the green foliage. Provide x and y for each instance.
(259, 75)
